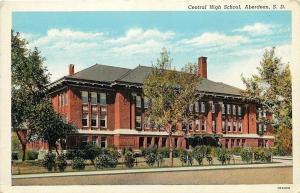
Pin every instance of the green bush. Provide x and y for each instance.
(237, 150)
(61, 162)
(176, 152)
(71, 154)
(91, 151)
(200, 152)
(129, 159)
(164, 151)
(49, 161)
(151, 158)
(246, 155)
(108, 159)
(78, 163)
(223, 155)
(143, 151)
(32, 155)
(183, 157)
(262, 154)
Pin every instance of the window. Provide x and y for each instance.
(223, 126)
(146, 102)
(176, 142)
(149, 141)
(103, 121)
(213, 108)
(234, 126)
(141, 142)
(243, 142)
(60, 100)
(95, 140)
(164, 142)
(138, 122)
(239, 111)
(238, 142)
(94, 98)
(240, 126)
(233, 110)
(232, 143)
(229, 125)
(260, 128)
(203, 127)
(264, 114)
(191, 108)
(223, 109)
(84, 97)
(103, 141)
(103, 98)
(84, 119)
(264, 127)
(197, 124)
(202, 107)
(228, 109)
(213, 125)
(197, 106)
(138, 102)
(146, 122)
(94, 120)
(84, 141)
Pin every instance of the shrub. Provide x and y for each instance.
(200, 152)
(49, 161)
(32, 155)
(143, 151)
(91, 151)
(246, 155)
(183, 157)
(262, 154)
(176, 152)
(223, 155)
(237, 150)
(129, 159)
(164, 151)
(78, 163)
(190, 158)
(15, 155)
(151, 158)
(71, 154)
(61, 162)
(108, 159)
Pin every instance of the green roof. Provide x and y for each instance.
(104, 73)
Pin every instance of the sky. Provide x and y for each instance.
(234, 42)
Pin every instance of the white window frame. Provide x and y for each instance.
(191, 108)
(96, 114)
(239, 110)
(228, 109)
(213, 108)
(196, 106)
(87, 119)
(202, 107)
(103, 99)
(83, 93)
(229, 125)
(223, 109)
(203, 122)
(197, 122)
(233, 110)
(224, 125)
(140, 121)
(93, 98)
(213, 127)
(234, 126)
(103, 109)
(138, 101)
(105, 141)
(240, 126)
(96, 142)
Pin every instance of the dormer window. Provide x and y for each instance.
(202, 107)
(84, 97)
(138, 102)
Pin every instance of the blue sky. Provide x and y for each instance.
(233, 41)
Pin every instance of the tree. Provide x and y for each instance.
(29, 80)
(170, 92)
(48, 125)
(29, 96)
(272, 87)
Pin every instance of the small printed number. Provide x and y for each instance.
(283, 187)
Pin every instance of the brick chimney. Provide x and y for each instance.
(202, 67)
(71, 69)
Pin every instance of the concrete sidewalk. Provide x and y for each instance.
(151, 170)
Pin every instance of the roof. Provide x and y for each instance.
(104, 73)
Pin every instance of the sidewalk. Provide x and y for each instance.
(152, 170)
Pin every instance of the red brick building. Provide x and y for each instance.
(108, 106)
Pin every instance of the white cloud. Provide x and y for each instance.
(215, 39)
(257, 29)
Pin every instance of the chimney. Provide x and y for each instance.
(202, 67)
(71, 69)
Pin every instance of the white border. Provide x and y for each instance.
(6, 9)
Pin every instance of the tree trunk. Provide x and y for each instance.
(171, 148)
(22, 138)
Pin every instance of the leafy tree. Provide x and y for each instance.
(272, 87)
(33, 117)
(29, 80)
(170, 92)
